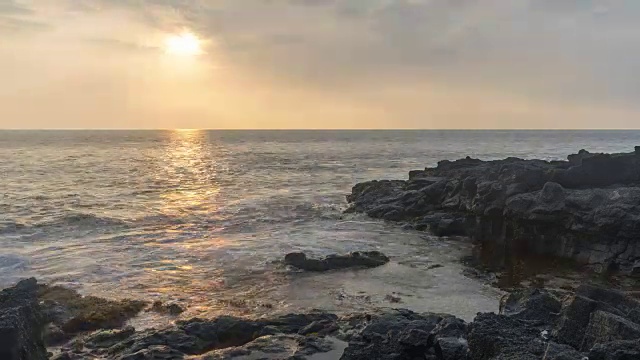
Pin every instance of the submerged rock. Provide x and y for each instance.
(364, 259)
(168, 308)
(74, 313)
(107, 338)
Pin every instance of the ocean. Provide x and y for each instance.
(203, 217)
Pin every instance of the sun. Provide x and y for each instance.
(183, 44)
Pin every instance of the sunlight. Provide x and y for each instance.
(183, 44)
(189, 168)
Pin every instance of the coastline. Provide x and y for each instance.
(523, 215)
(509, 208)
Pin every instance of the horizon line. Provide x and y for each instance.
(317, 129)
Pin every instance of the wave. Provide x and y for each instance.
(12, 262)
(82, 220)
(11, 226)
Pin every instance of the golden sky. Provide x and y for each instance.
(319, 64)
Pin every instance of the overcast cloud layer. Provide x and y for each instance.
(321, 64)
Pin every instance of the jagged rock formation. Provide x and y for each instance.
(585, 209)
(597, 323)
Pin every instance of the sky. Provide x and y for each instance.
(279, 64)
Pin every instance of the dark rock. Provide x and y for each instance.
(155, 352)
(75, 313)
(584, 210)
(452, 348)
(606, 327)
(611, 297)
(443, 224)
(575, 320)
(281, 346)
(634, 315)
(192, 337)
(108, 338)
(531, 304)
(616, 350)
(321, 327)
(365, 259)
(400, 334)
(556, 351)
(393, 299)
(208, 338)
(65, 356)
(415, 337)
(170, 308)
(494, 336)
(450, 327)
(293, 323)
(21, 323)
(597, 321)
(53, 335)
(516, 189)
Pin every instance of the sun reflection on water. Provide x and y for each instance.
(191, 203)
(191, 174)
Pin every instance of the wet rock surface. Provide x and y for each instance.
(70, 313)
(593, 322)
(358, 259)
(166, 308)
(585, 209)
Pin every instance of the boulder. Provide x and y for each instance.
(21, 323)
(578, 317)
(451, 348)
(365, 259)
(575, 319)
(398, 334)
(606, 327)
(494, 336)
(531, 304)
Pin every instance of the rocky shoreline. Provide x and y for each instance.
(584, 211)
(524, 217)
(592, 323)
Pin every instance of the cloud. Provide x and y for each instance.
(11, 7)
(16, 17)
(554, 54)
